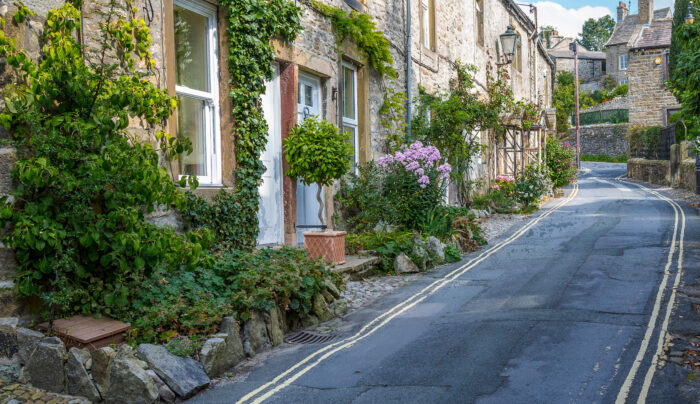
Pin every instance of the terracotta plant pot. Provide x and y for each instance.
(329, 245)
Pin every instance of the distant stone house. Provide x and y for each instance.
(592, 66)
(638, 55)
(626, 32)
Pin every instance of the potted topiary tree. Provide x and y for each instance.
(319, 153)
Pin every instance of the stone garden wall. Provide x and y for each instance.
(615, 103)
(602, 140)
(679, 172)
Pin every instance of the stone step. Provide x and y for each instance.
(357, 267)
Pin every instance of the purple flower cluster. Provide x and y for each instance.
(417, 159)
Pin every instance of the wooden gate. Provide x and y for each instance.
(519, 148)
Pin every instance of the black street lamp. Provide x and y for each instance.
(509, 43)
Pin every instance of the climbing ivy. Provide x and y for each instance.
(251, 24)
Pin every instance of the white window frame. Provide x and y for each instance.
(350, 122)
(620, 64)
(425, 22)
(211, 98)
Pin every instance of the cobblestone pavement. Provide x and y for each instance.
(15, 393)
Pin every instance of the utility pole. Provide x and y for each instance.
(574, 47)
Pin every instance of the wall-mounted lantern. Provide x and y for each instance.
(509, 43)
(690, 18)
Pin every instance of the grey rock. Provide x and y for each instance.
(234, 346)
(185, 376)
(436, 247)
(101, 360)
(330, 286)
(213, 356)
(255, 333)
(320, 308)
(23, 376)
(27, 340)
(129, 383)
(275, 326)
(164, 391)
(328, 296)
(340, 307)
(404, 265)
(8, 336)
(45, 366)
(77, 378)
(309, 321)
(10, 373)
(421, 254)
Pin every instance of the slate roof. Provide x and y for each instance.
(625, 30)
(656, 35)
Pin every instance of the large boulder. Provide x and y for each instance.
(164, 391)
(255, 336)
(8, 336)
(404, 265)
(276, 324)
(44, 368)
(185, 376)
(129, 382)
(234, 346)
(436, 247)
(101, 360)
(320, 308)
(77, 379)
(213, 356)
(27, 340)
(330, 286)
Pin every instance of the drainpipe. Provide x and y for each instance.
(408, 70)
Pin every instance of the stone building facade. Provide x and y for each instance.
(315, 76)
(628, 29)
(651, 102)
(592, 66)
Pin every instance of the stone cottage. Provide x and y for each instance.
(626, 33)
(592, 66)
(316, 77)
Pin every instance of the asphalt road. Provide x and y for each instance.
(565, 308)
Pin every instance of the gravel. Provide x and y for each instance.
(499, 223)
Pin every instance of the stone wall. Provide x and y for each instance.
(648, 95)
(615, 103)
(678, 172)
(602, 140)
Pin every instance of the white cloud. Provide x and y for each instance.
(568, 21)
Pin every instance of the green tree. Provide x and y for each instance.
(679, 14)
(563, 100)
(685, 80)
(597, 32)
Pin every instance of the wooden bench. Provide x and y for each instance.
(88, 332)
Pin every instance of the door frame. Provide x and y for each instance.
(276, 132)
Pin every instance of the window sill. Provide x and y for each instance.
(428, 52)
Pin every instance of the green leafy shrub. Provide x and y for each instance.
(644, 141)
(83, 181)
(388, 245)
(452, 254)
(359, 196)
(561, 161)
(533, 184)
(194, 302)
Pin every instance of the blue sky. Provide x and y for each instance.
(568, 16)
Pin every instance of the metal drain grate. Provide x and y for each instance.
(306, 337)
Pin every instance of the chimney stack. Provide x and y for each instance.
(646, 11)
(622, 11)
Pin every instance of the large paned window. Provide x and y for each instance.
(349, 87)
(622, 62)
(197, 88)
(427, 23)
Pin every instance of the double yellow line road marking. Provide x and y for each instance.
(651, 326)
(287, 377)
